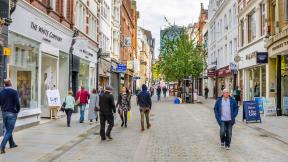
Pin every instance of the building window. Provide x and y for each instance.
(235, 46)
(251, 27)
(221, 27)
(242, 33)
(234, 14)
(225, 22)
(230, 18)
(105, 10)
(262, 6)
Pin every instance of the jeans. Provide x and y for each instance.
(9, 121)
(82, 112)
(226, 132)
(110, 120)
(164, 93)
(68, 114)
(144, 112)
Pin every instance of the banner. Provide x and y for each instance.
(53, 97)
(250, 111)
(259, 101)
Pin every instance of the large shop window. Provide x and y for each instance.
(284, 81)
(257, 82)
(48, 76)
(23, 69)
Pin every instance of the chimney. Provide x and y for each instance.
(202, 6)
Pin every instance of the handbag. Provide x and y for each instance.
(96, 108)
(63, 105)
(78, 99)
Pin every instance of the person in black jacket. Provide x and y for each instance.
(145, 103)
(107, 108)
(10, 107)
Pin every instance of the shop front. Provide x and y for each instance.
(278, 61)
(224, 80)
(104, 72)
(84, 65)
(115, 79)
(39, 55)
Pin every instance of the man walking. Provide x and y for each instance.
(107, 108)
(164, 91)
(82, 98)
(206, 92)
(158, 93)
(145, 103)
(226, 110)
(10, 107)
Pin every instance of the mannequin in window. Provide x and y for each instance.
(257, 90)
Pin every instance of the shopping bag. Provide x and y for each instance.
(129, 115)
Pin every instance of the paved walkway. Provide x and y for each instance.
(276, 126)
(46, 140)
(182, 133)
(179, 133)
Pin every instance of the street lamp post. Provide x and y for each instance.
(97, 68)
(75, 35)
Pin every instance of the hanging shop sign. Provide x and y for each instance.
(4, 9)
(130, 65)
(121, 68)
(223, 72)
(211, 73)
(251, 112)
(262, 57)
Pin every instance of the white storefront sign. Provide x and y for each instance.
(37, 26)
(82, 50)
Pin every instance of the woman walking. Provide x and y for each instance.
(123, 105)
(93, 106)
(69, 107)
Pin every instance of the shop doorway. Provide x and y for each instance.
(49, 78)
(74, 82)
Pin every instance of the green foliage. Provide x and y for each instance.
(179, 56)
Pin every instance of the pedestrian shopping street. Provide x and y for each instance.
(179, 133)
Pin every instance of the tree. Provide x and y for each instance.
(179, 56)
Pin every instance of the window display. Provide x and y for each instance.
(23, 69)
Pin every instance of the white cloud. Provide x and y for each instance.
(180, 12)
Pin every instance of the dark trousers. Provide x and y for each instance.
(9, 121)
(68, 114)
(123, 116)
(206, 95)
(226, 132)
(144, 112)
(110, 120)
(158, 97)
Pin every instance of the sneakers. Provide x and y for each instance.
(227, 147)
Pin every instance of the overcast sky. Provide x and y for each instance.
(152, 13)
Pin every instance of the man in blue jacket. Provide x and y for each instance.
(10, 107)
(145, 103)
(226, 110)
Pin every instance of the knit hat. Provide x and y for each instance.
(109, 88)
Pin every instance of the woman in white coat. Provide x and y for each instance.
(93, 106)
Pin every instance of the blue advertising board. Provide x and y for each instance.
(285, 104)
(259, 101)
(250, 111)
(121, 68)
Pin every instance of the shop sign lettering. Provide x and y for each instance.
(48, 34)
(281, 45)
(251, 56)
